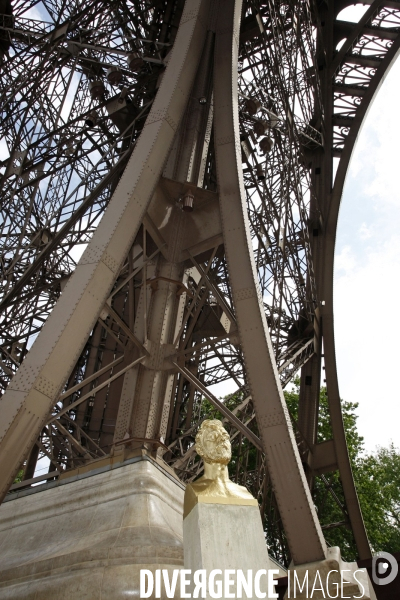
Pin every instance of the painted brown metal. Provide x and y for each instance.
(37, 384)
(328, 249)
(297, 511)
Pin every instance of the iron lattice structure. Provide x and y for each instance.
(78, 81)
(62, 169)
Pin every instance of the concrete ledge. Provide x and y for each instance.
(71, 476)
(88, 536)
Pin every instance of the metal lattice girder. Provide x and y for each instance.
(305, 537)
(45, 381)
(36, 386)
(37, 275)
(60, 175)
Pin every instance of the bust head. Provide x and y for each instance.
(212, 442)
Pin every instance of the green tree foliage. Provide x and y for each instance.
(378, 483)
(377, 479)
(19, 476)
(376, 475)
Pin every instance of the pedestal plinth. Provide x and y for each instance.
(88, 538)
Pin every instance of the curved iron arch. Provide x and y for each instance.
(371, 30)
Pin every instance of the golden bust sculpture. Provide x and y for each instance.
(215, 487)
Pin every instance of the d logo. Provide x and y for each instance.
(384, 568)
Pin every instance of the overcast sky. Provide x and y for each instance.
(367, 272)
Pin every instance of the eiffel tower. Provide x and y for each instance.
(171, 176)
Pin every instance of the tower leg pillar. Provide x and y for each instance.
(39, 381)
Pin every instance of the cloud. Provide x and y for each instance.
(353, 13)
(375, 161)
(4, 153)
(37, 13)
(367, 272)
(345, 262)
(367, 330)
(365, 232)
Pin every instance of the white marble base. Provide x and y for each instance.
(221, 536)
(88, 539)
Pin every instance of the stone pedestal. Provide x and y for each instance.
(89, 538)
(224, 536)
(333, 575)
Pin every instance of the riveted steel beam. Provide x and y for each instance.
(296, 507)
(37, 384)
